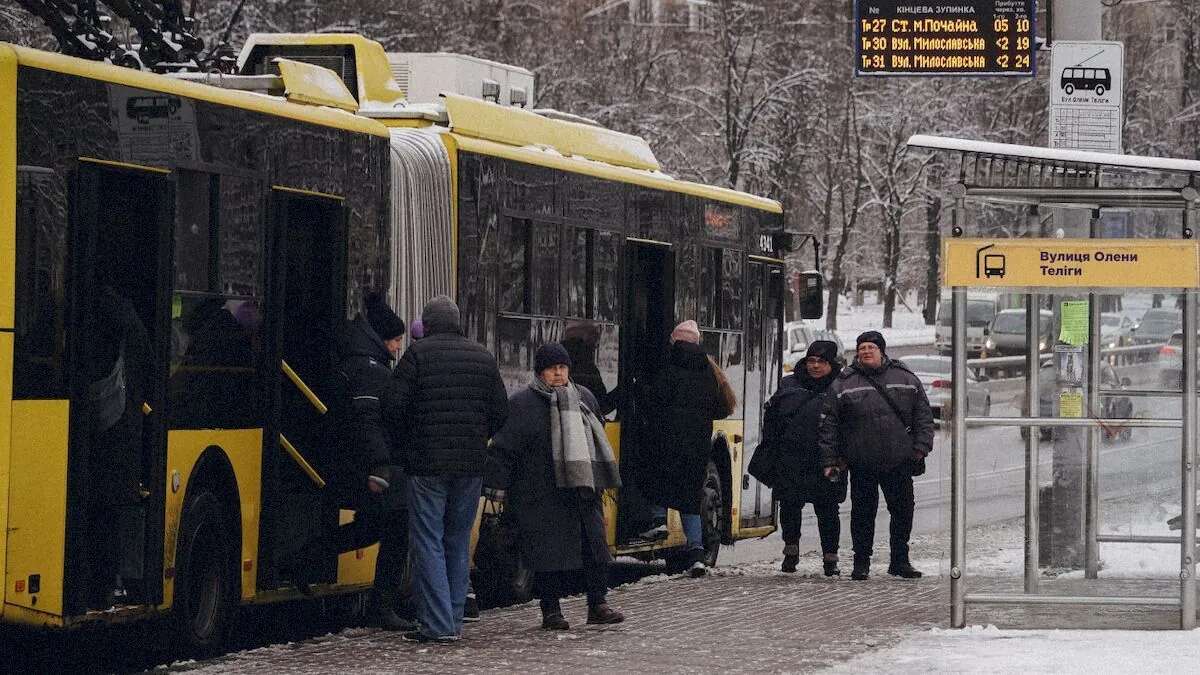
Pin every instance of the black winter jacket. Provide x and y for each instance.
(792, 420)
(552, 523)
(860, 427)
(444, 402)
(679, 408)
(364, 373)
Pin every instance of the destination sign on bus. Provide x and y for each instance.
(944, 37)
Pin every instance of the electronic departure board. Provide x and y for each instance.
(944, 37)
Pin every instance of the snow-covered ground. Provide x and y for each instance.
(987, 649)
(908, 328)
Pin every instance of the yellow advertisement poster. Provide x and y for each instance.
(1071, 263)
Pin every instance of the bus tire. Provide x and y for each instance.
(712, 514)
(1099, 90)
(205, 576)
(1069, 88)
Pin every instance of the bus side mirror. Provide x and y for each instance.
(811, 296)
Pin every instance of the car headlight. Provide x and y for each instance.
(990, 344)
(1042, 346)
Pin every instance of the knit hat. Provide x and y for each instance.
(383, 320)
(440, 316)
(823, 349)
(416, 329)
(872, 336)
(550, 354)
(686, 331)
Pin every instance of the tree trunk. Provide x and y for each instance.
(933, 248)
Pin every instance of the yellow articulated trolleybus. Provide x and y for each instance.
(244, 228)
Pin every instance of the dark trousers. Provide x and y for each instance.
(897, 488)
(378, 519)
(829, 524)
(550, 586)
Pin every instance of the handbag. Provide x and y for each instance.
(918, 465)
(106, 397)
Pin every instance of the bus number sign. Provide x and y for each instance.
(944, 37)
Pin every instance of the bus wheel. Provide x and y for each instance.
(205, 577)
(1069, 88)
(1099, 90)
(712, 511)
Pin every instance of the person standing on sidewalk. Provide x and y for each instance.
(791, 423)
(554, 462)
(877, 421)
(681, 403)
(445, 401)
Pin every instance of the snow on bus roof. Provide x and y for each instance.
(1036, 153)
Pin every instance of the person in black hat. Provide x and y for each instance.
(790, 425)
(366, 478)
(554, 463)
(878, 422)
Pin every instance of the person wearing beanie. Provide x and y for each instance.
(686, 331)
(791, 421)
(365, 476)
(878, 422)
(446, 400)
(553, 464)
(680, 404)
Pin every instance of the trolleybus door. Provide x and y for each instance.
(122, 226)
(649, 314)
(763, 367)
(307, 304)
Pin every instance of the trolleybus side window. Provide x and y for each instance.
(216, 303)
(40, 357)
(514, 262)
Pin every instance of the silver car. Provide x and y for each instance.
(935, 374)
(798, 335)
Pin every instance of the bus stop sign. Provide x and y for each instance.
(1087, 96)
(1072, 263)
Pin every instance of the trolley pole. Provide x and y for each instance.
(958, 462)
(1033, 367)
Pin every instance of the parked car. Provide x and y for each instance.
(979, 316)
(1157, 325)
(936, 375)
(1006, 335)
(798, 336)
(1116, 330)
(1170, 362)
(1111, 407)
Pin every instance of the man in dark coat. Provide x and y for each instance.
(882, 442)
(560, 528)
(117, 341)
(681, 403)
(365, 476)
(792, 420)
(445, 401)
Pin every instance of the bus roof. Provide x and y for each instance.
(270, 105)
(523, 136)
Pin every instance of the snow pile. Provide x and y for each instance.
(987, 649)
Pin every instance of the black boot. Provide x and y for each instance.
(831, 567)
(903, 568)
(791, 556)
(552, 616)
(862, 568)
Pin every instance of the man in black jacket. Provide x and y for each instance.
(444, 402)
(877, 420)
(791, 423)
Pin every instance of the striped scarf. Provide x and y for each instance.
(580, 450)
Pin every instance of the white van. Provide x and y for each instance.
(980, 312)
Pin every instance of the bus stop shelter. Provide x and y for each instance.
(1038, 261)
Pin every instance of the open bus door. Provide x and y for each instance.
(645, 335)
(307, 301)
(122, 226)
(764, 332)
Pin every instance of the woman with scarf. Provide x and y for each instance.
(555, 462)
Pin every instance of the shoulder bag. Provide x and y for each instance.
(918, 465)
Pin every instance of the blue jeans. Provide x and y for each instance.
(693, 529)
(441, 514)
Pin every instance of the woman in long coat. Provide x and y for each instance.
(791, 423)
(560, 529)
(682, 401)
